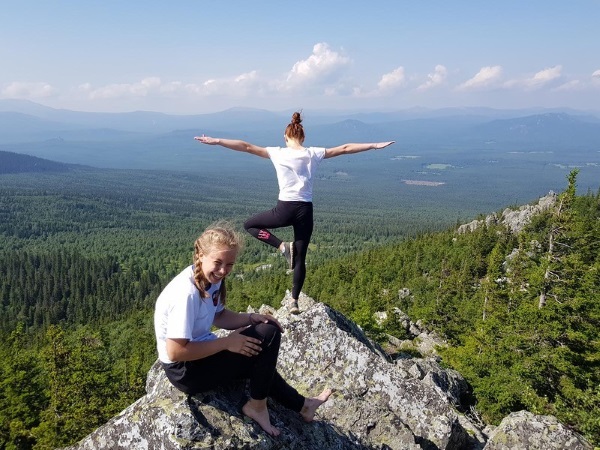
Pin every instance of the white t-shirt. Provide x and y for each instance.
(180, 313)
(295, 169)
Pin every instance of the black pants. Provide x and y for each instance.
(207, 373)
(296, 214)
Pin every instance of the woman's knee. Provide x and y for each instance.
(269, 333)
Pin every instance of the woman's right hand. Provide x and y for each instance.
(380, 145)
(242, 344)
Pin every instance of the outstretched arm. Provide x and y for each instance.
(235, 144)
(348, 149)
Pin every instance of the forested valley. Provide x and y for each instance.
(84, 253)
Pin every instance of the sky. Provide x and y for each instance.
(195, 56)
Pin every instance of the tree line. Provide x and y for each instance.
(521, 311)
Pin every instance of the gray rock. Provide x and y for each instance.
(524, 430)
(377, 404)
(514, 220)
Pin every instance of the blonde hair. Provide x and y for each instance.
(217, 236)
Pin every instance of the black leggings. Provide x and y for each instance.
(297, 214)
(207, 373)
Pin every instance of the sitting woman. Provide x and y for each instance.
(196, 360)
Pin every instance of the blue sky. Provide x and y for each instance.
(199, 56)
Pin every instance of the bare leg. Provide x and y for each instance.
(257, 411)
(312, 404)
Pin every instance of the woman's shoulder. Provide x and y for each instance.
(184, 280)
(187, 273)
(318, 151)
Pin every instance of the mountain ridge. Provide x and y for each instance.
(243, 119)
(11, 162)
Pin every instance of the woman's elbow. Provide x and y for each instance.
(172, 355)
(175, 351)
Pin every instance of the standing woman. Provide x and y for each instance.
(295, 166)
(196, 360)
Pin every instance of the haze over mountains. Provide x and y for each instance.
(515, 151)
(23, 121)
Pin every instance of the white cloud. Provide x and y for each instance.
(544, 76)
(244, 84)
(573, 85)
(393, 80)
(248, 83)
(322, 72)
(172, 87)
(580, 85)
(28, 90)
(139, 89)
(322, 67)
(434, 79)
(541, 78)
(486, 77)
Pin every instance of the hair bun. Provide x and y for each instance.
(296, 118)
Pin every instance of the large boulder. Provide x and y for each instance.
(377, 403)
(533, 432)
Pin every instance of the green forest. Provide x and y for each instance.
(84, 254)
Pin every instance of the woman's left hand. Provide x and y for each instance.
(207, 140)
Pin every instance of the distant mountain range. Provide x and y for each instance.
(16, 163)
(125, 139)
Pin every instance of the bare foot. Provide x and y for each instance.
(311, 404)
(257, 411)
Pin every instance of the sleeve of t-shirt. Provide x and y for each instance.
(180, 321)
(272, 151)
(318, 152)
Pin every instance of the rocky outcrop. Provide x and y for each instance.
(378, 403)
(528, 431)
(514, 220)
(419, 339)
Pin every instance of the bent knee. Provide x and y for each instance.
(269, 332)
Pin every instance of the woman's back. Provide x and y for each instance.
(295, 169)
